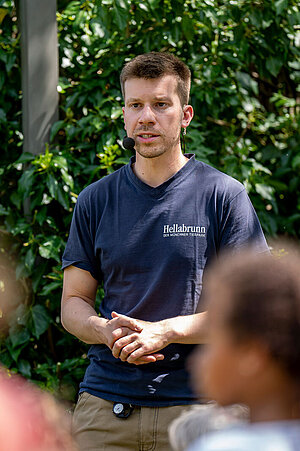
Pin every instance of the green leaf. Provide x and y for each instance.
(280, 6)
(267, 192)
(187, 27)
(55, 129)
(18, 336)
(3, 13)
(294, 184)
(294, 218)
(63, 197)
(120, 14)
(16, 199)
(2, 79)
(60, 162)
(52, 286)
(21, 270)
(247, 81)
(29, 259)
(10, 61)
(21, 315)
(45, 251)
(41, 215)
(26, 182)
(40, 320)
(25, 157)
(274, 65)
(296, 161)
(98, 29)
(50, 249)
(24, 368)
(2, 115)
(37, 276)
(67, 179)
(256, 17)
(116, 112)
(121, 160)
(6, 359)
(72, 8)
(52, 184)
(3, 211)
(15, 352)
(268, 222)
(154, 4)
(259, 167)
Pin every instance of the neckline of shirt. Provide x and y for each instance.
(165, 186)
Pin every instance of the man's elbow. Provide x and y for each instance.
(63, 316)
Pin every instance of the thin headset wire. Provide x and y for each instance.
(183, 140)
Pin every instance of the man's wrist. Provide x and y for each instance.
(171, 330)
(189, 329)
(97, 325)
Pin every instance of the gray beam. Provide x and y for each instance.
(39, 55)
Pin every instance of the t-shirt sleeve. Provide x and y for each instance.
(80, 249)
(239, 225)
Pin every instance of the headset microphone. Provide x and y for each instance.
(128, 143)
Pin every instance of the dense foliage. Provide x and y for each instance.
(244, 58)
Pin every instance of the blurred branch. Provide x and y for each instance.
(219, 122)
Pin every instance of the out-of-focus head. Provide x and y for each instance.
(156, 65)
(254, 324)
(12, 292)
(201, 420)
(31, 420)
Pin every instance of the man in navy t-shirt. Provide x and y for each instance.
(148, 231)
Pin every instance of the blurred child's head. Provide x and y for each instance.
(201, 420)
(254, 328)
(31, 420)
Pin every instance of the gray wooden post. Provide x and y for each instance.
(39, 55)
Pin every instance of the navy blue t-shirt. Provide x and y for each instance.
(150, 246)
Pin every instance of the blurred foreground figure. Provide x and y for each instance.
(253, 356)
(30, 420)
(201, 420)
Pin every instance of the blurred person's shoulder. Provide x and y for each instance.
(283, 436)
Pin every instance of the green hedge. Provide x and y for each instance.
(245, 66)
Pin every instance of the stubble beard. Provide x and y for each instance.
(153, 150)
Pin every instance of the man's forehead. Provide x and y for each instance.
(158, 87)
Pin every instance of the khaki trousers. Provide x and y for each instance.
(95, 427)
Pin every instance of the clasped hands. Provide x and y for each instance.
(136, 341)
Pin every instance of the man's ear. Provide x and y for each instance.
(188, 114)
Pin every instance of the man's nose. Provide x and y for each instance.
(147, 115)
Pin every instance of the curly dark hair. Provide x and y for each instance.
(263, 297)
(155, 65)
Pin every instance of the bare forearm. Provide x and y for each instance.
(80, 319)
(190, 329)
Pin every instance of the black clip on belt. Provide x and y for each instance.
(122, 410)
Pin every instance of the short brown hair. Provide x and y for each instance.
(262, 295)
(155, 65)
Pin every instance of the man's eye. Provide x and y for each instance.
(135, 105)
(161, 104)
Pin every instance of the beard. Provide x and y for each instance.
(153, 150)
